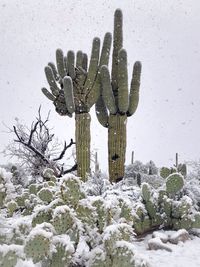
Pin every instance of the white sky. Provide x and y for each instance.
(164, 35)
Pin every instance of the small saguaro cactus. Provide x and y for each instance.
(74, 89)
(115, 98)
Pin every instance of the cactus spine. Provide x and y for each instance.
(114, 98)
(74, 89)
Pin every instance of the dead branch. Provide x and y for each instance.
(64, 150)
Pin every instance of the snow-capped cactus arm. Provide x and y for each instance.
(60, 63)
(135, 86)
(48, 94)
(68, 93)
(122, 82)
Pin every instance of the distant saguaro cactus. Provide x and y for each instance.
(116, 99)
(75, 88)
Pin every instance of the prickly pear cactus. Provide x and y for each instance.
(43, 215)
(2, 190)
(123, 254)
(115, 98)
(174, 183)
(9, 255)
(75, 88)
(98, 258)
(37, 245)
(165, 172)
(86, 212)
(63, 219)
(114, 233)
(98, 203)
(71, 191)
(146, 192)
(49, 174)
(182, 168)
(12, 207)
(62, 252)
(46, 195)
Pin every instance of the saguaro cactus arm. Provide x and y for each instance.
(101, 112)
(93, 67)
(107, 92)
(134, 91)
(94, 92)
(68, 93)
(86, 84)
(48, 94)
(122, 82)
(60, 63)
(117, 45)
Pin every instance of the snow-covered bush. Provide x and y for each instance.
(138, 173)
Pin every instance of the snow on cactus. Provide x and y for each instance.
(92, 226)
(71, 190)
(62, 251)
(174, 183)
(46, 195)
(42, 215)
(65, 221)
(7, 190)
(38, 242)
(116, 232)
(9, 255)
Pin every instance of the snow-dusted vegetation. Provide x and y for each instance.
(56, 215)
(66, 222)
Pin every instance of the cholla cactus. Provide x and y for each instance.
(116, 99)
(74, 89)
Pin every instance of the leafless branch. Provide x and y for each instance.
(64, 150)
(37, 146)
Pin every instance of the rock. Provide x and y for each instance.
(156, 243)
(180, 236)
(163, 237)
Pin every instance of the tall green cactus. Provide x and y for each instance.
(115, 98)
(74, 89)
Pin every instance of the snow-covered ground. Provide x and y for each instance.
(185, 254)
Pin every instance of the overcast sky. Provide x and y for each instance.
(164, 35)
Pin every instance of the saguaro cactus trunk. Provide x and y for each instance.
(117, 146)
(83, 144)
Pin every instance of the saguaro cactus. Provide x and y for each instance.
(115, 98)
(75, 88)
